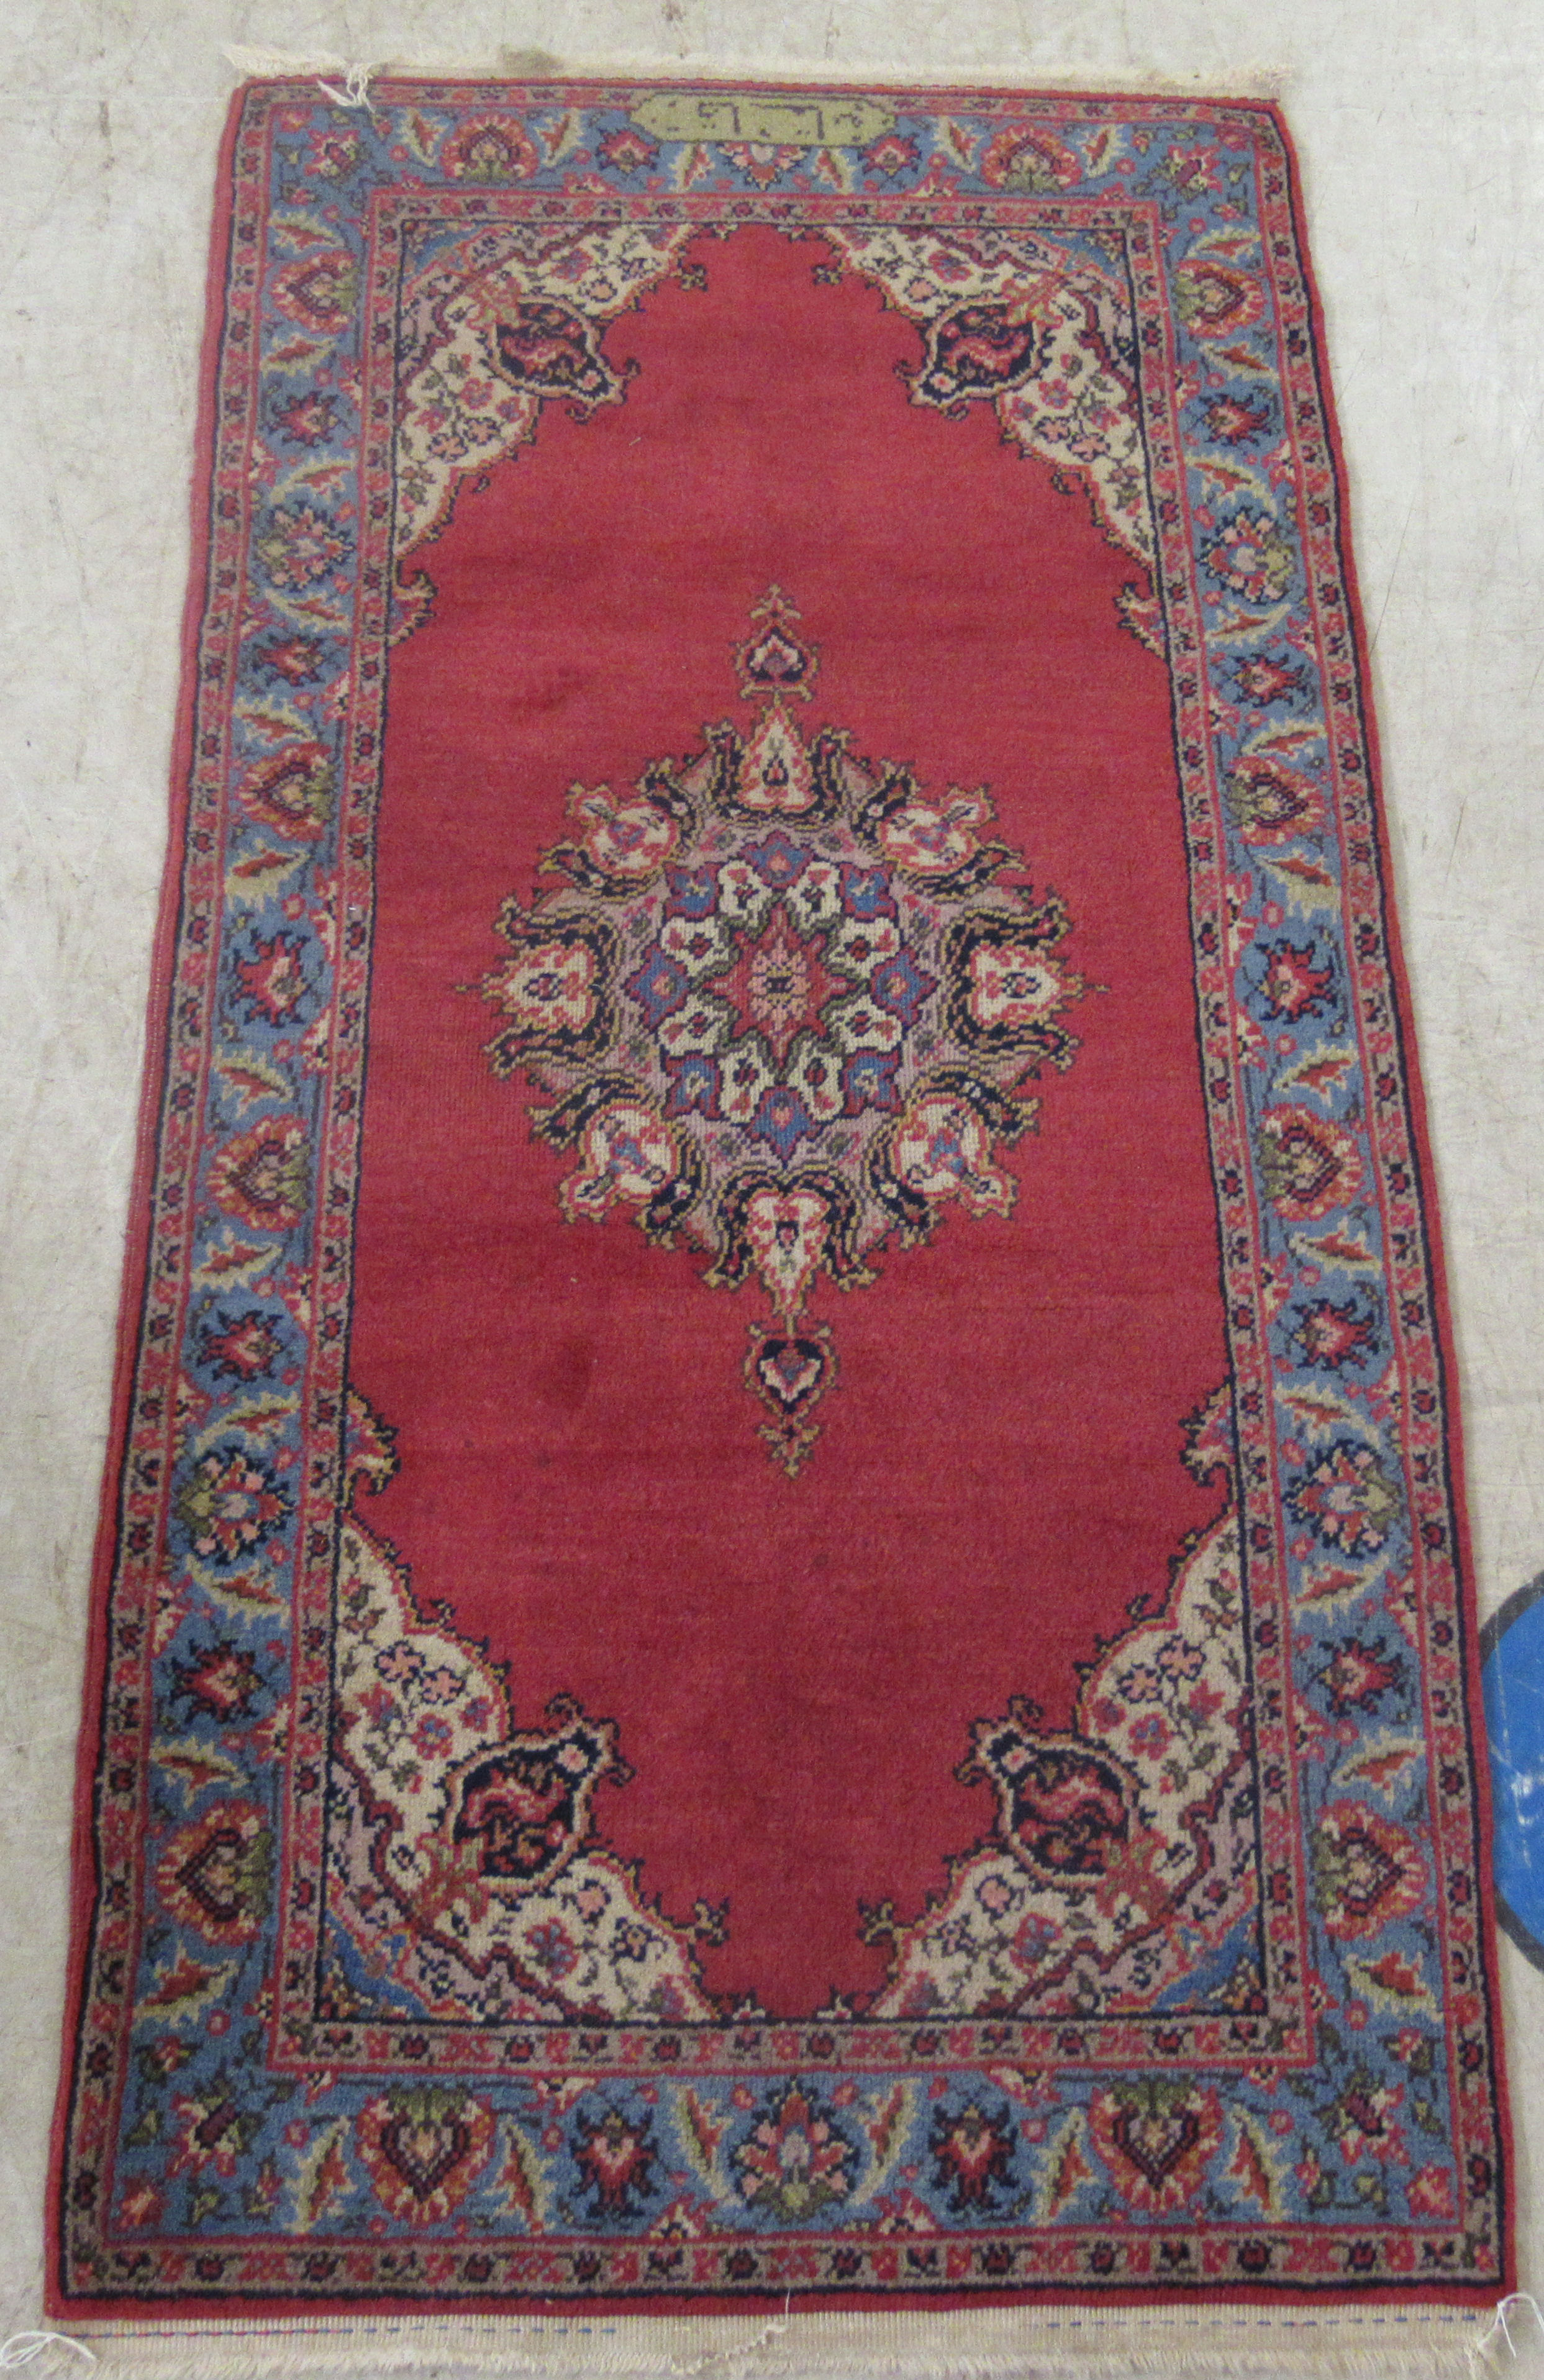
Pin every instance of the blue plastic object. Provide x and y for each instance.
(1511, 1650)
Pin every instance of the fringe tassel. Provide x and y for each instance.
(1486, 2350)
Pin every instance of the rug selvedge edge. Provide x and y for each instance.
(1400, 1002)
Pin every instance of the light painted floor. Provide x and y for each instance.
(1421, 137)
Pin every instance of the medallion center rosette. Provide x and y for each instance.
(785, 1002)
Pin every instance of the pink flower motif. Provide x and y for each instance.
(300, 546)
(1028, 157)
(334, 159)
(1151, 1735)
(628, 152)
(1430, 2191)
(490, 149)
(141, 2204)
(630, 838)
(1193, 170)
(795, 2161)
(891, 155)
(930, 838)
(1034, 1938)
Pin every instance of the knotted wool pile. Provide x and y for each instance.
(781, 1611)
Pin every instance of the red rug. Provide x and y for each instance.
(781, 1604)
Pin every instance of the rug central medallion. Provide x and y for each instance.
(784, 1001)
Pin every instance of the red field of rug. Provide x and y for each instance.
(798, 1664)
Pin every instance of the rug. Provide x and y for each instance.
(782, 1612)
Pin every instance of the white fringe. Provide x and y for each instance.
(1253, 82)
(998, 2343)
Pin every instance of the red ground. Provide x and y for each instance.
(795, 1665)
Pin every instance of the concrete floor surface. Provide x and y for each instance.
(1421, 139)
